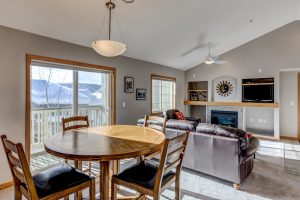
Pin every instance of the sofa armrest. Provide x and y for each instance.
(252, 146)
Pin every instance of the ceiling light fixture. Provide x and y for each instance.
(110, 48)
(212, 59)
(209, 59)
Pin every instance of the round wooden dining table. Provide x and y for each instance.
(105, 144)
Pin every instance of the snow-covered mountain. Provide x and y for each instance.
(49, 94)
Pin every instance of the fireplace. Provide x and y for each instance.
(225, 118)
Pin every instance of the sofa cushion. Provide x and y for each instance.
(57, 179)
(224, 131)
(154, 122)
(181, 124)
(185, 125)
(206, 128)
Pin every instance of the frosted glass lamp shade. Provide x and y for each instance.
(109, 48)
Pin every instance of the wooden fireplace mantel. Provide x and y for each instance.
(239, 104)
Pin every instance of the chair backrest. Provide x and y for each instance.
(75, 122)
(171, 157)
(19, 168)
(155, 122)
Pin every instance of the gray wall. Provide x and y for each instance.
(276, 50)
(289, 103)
(15, 44)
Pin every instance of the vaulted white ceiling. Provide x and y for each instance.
(158, 31)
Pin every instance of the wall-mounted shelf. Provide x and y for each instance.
(197, 90)
(240, 104)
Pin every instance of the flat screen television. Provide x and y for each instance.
(258, 91)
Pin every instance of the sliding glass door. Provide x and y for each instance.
(58, 91)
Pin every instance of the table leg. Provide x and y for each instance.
(104, 180)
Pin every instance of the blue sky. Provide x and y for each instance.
(64, 75)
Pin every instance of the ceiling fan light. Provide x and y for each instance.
(109, 48)
(209, 61)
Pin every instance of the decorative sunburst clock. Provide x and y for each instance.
(224, 88)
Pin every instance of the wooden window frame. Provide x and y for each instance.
(30, 58)
(161, 77)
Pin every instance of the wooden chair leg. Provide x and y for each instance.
(177, 188)
(113, 191)
(92, 189)
(18, 194)
(78, 165)
(90, 167)
(156, 197)
(142, 197)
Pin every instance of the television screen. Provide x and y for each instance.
(258, 93)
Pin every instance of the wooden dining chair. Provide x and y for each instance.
(149, 178)
(54, 183)
(155, 122)
(76, 122)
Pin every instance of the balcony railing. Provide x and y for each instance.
(47, 122)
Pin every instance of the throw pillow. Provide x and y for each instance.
(179, 116)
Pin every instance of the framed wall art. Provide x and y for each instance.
(128, 84)
(141, 94)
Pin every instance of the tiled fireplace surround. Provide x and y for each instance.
(226, 108)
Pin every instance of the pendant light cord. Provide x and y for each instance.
(102, 24)
(110, 6)
(118, 25)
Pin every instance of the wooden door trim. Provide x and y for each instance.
(298, 114)
(29, 58)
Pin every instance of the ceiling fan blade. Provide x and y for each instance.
(193, 49)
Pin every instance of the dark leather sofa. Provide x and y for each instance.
(219, 151)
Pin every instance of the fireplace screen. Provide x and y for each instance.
(225, 118)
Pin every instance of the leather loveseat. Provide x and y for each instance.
(219, 151)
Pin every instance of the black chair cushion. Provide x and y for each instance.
(58, 179)
(144, 174)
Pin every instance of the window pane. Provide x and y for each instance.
(51, 100)
(94, 97)
(163, 95)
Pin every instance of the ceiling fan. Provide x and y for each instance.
(213, 59)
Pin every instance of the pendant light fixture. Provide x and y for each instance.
(110, 48)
